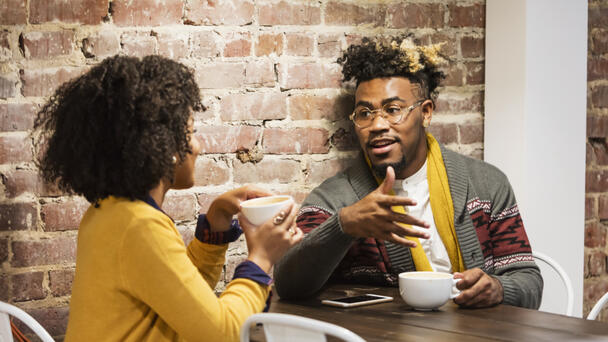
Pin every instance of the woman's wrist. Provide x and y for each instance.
(262, 263)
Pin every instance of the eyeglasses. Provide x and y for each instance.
(391, 112)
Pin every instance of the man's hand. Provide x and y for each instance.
(372, 216)
(478, 289)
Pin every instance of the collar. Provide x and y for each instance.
(148, 199)
(413, 180)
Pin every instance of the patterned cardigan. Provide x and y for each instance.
(488, 226)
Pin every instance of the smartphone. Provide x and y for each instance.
(349, 302)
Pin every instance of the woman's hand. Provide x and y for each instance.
(268, 242)
(227, 205)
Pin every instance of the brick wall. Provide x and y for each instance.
(596, 201)
(268, 74)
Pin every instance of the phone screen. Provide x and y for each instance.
(355, 299)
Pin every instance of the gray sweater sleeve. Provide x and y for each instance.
(308, 265)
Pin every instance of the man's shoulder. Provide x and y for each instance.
(476, 168)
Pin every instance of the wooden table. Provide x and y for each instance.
(395, 321)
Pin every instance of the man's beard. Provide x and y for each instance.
(380, 170)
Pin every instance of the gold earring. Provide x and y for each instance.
(425, 124)
(174, 160)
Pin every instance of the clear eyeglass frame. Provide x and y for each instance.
(391, 118)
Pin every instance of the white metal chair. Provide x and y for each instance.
(283, 327)
(598, 307)
(562, 274)
(6, 334)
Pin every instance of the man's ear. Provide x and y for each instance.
(427, 108)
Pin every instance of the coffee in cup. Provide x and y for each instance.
(262, 209)
(427, 290)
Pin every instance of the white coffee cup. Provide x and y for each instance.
(427, 290)
(262, 209)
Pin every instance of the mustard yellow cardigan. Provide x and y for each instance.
(136, 281)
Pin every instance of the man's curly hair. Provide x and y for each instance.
(393, 56)
(115, 129)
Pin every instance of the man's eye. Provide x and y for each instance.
(364, 113)
(393, 110)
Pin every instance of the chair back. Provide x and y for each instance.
(283, 327)
(598, 307)
(6, 334)
(539, 256)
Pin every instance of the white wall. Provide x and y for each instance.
(535, 119)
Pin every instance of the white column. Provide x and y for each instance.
(535, 120)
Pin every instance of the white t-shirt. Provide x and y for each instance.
(417, 187)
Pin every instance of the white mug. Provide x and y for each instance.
(262, 209)
(427, 290)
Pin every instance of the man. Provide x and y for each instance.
(408, 203)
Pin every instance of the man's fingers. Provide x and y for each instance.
(407, 219)
(389, 200)
(401, 240)
(403, 231)
(388, 182)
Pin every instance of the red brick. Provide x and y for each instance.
(445, 133)
(344, 139)
(88, 12)
(58, 250)
(253, 106)
(18, 216)
(15, 149)
(590, 155)
(289, 13)
(454, 75)
(309, 75)
(598, 17)
(102, 44)
(471, 132)
(350, 14)
(27, 286)
(603, 207)
(180, 206)
(238, 44)
(459, 103)
(269, 43)
(227, 139)
(591, 210)
(472, 47)
(211, 172)
(43, 82)
(315, 107)
(467, 16)
(226, 12)
(63, 215)
(596, 181)
(205, 44)
(300, 44)
(318, 171)
(597, 126)
(12, 12)
(220, 75)
(599, 152)
(595, 235)
(295, 140)
(3, 250)
(416, 15)
(599, 41)
(138, 44)
(17, 116)
(53, 319)
(5, 291)
(8, 87)
(475, 73)
(597, 69)
(267, 171)
(17, 182)
(173, 46)
(47, 44)
(60, 282)
(147, 12)
(597, 263)
(594, 290)
(329, 45)
(205, 200)
(599, 96)
(260, 74)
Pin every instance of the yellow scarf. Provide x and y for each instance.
(442, 207)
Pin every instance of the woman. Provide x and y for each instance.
(121, 135)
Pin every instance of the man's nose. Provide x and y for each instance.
(379, 123)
